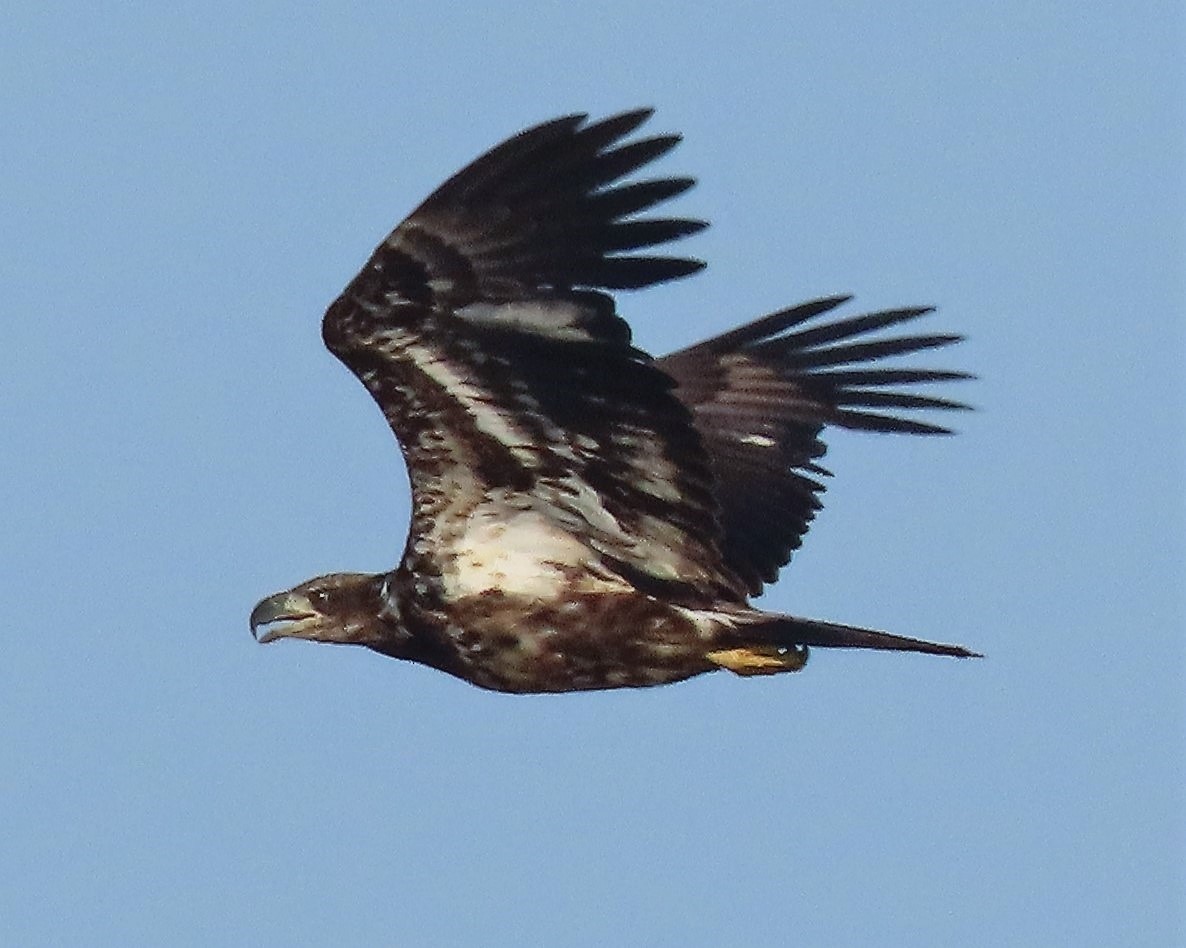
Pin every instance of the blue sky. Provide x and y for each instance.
(184, 190)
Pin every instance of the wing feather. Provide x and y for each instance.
(537, 215)
(762, 395)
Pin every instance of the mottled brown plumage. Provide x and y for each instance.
(585, 516)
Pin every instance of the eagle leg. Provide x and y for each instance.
(760, 659)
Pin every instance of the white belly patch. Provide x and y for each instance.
(524, 554)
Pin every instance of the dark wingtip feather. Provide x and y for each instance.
(546, 210)
(612, 128)
(647, 232)
(887, 424)
(856, 378)
(889, 398)
(767, 326)
(633, 273)
(625, 159)
(501, 159)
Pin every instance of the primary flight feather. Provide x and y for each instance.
(584, 515)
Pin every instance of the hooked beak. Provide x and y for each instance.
(281, 616)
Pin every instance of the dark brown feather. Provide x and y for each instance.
(762, 395)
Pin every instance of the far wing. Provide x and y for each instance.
(508, 378)
(762, 395)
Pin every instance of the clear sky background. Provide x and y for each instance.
(185, 188)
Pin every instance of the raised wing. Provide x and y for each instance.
(508, 378)
(762, 395)
(531, 218)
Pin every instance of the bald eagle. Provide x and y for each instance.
(584, 515)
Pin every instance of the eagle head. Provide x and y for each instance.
(346, 608)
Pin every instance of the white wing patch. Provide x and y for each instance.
(487, 416)
(556, 319)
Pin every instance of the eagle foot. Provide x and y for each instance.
(760, 659)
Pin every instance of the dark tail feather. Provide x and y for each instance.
(789, 631)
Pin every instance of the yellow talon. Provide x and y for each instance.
(760, 660)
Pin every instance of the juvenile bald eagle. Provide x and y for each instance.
(584, 515)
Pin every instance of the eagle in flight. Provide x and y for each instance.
(585, 515)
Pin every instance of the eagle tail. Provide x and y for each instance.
(779, 643)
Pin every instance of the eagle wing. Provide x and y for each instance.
(762, 395)
(480, 328)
